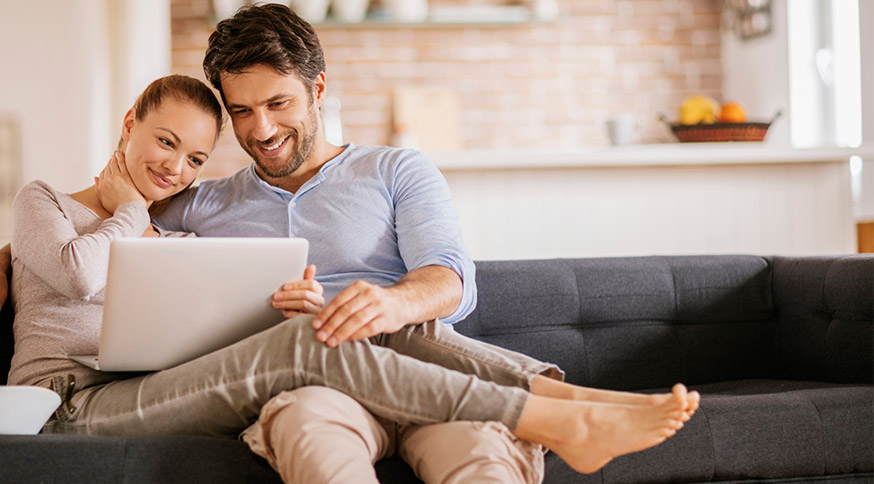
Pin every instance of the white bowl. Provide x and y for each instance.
(25, 409)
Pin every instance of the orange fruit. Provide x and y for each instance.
(732, 112)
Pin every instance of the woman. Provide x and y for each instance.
(61, 251)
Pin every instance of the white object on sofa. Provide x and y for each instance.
(25, 409)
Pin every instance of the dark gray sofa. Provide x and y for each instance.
(780, 348)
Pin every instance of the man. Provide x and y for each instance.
(385, 239)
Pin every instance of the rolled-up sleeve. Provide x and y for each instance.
(427, 226)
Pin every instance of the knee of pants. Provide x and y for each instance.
(459, 452)
(318, 417)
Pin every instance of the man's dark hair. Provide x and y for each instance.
(269, 34)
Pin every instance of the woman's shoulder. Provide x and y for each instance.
(36, 191)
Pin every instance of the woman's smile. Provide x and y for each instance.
(160, 180)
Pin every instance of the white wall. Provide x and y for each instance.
(56, 73)
(756, 74)
(68, 68)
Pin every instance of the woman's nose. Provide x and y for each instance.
(174, 164)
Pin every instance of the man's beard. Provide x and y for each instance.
(299, 154)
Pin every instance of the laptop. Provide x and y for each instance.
(171, 300)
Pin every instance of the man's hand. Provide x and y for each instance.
(300, 297)
(5, 270)
(115, 186)
(360, 311)
(363, 310)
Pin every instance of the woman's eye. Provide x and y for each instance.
(166, 142)
(195, 161)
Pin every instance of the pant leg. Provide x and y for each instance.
(316, 435)
(223, 392)
(440, 344)
(470, 452)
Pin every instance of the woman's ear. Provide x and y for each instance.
(127, 125)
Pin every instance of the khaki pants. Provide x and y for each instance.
(316, 435)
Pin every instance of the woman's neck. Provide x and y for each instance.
(88, 197)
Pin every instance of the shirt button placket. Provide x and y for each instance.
(291, 205)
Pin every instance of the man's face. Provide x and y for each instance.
(275, 117)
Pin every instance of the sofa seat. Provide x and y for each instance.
(758, 429)
(745, 430)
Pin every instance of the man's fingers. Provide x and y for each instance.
(314, 296)
(302, 305)
(361, 319)
(309, 272)
(307, 285)
(338, 317)
(359, 290)
(372, 329)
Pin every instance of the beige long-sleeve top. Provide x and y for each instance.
(60, 255)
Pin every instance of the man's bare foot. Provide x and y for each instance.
(588, 435)
(548, 387)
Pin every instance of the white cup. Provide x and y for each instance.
(621, 129)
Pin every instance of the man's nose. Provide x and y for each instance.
(264, 128)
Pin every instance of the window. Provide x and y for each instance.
(825, 80)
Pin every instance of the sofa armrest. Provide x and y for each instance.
(7, 342)
(825, 308)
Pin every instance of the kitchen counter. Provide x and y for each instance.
(644, 155)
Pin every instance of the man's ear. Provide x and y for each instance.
(128, 124)
(320, 88)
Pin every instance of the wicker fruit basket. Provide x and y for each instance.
(719, 132)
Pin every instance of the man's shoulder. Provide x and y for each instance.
(223, 190)
(386, 159)
(233, 182)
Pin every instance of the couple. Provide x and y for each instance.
(383, 233)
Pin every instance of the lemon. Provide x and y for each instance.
(699, 109)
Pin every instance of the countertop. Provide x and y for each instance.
(643, 155)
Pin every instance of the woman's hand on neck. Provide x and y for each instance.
(110, 190)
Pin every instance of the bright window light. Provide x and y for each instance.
(825, 80)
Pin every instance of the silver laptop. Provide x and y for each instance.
(170, 300)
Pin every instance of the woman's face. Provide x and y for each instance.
(165, 150)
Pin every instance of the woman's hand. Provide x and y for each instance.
(300, 297)
(115, 186)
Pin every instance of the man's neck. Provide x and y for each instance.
(322, 153)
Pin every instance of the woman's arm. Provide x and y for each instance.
(46, 241)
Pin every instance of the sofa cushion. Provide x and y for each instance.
(757, 429)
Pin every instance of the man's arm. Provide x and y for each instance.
(6, 269)
(363, 309)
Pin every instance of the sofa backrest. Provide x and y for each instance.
(826, 318)
(632, 323)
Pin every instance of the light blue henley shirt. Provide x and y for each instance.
(371, 213)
